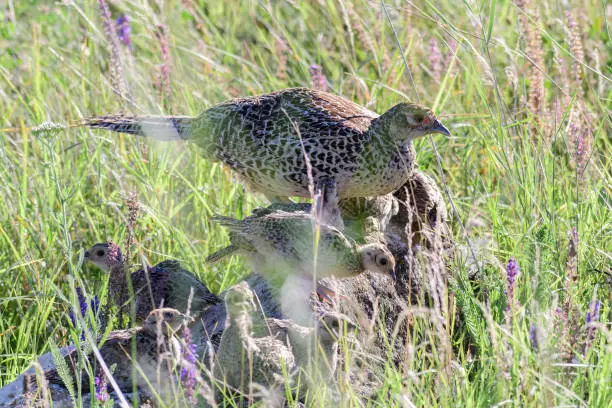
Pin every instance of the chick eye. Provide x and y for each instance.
(167, 315)
(383, 262)
(100, 253)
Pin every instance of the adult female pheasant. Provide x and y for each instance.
(283, 142)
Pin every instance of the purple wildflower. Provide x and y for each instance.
(188, 371)
(71, 315)
(512, 272)
(591, 317)
(101, 387)
(435, 59)
(319, 81)
(593, 313)
(94, 303)
(82, 301)
(117, 77)
(164, 68)
(533, 337)
(572, 259)
(133, 211)
(578, 136)
(452, 50)
(82, 305)
(124, 30)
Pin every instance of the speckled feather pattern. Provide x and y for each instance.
(117, 352)
(167, 283)
(268, 140)
(288, 239)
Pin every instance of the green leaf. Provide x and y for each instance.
(63, 371)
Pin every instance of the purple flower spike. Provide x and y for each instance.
(435, 59)
(512, 272)
(592, 316)
(319, 81)
(593, 313)
(94, 303)
(124, 30)
(82, 300)
(188, 372)
(533, 337)
(101, 388)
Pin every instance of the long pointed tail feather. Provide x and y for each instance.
(156, 127)
(222, 253)
(227, 222)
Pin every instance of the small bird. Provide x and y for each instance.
(166, 321)
(247, 357)
(166, 283)
(315, 348)
(213, 320)
(280, 242)
(281, 247)
(155, 343)
(368, 217)
(283, 143)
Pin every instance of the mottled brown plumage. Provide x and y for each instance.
(155, 345)
(247, 356)
(285, 241)
(283, 142)
(315, 349)
(166, 283)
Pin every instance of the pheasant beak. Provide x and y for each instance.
(438, 127)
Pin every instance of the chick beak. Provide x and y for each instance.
(393, 275)
(438, 127)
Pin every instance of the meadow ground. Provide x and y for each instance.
(523, 85)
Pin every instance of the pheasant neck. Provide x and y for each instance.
(117, 291)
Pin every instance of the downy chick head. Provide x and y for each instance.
(239, 298)
(409, 121)
(166, 319)
(377, 258)
(105, 255)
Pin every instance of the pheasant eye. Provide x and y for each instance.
(100, 253)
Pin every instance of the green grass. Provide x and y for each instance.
(511, 174)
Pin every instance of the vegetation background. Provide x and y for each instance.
(524, 86)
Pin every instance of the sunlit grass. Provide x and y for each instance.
(512, 176)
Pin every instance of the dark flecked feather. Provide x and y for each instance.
(282, 142)
(157, 127)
